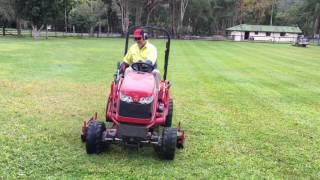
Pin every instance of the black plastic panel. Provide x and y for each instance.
(129, 130)
(135, 110)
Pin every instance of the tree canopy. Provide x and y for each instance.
(196, 17)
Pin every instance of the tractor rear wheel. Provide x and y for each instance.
(94, 142)
(168, 145)
(168, 122)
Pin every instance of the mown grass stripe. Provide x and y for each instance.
(249, 110)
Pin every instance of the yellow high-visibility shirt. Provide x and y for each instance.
(135, 54)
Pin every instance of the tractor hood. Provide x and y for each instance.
(137, 84)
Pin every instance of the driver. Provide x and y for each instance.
(141, 51)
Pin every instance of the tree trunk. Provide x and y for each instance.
(55, 31)
(316, 26)
(65, 19)
(36, 31)
(239, 13)
(4, 30)
(149, 14)
(173, 17)
(318, 29)
(123, 5)
(108, 27)
(183, 7)
(91, 31)
(99, 32)
(271, 18)
(18, 20)
(138, 15)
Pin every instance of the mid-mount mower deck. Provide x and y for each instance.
(140, 112)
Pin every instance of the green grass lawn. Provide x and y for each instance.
(250, 110)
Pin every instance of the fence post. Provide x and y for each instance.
(4, 31)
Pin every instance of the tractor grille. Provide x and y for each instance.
(135, 110)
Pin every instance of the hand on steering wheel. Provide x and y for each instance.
(142, 67)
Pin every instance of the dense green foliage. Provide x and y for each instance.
(250, 110)
(6, 11)
(87, 16)
(197, 17)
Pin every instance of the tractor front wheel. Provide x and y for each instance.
(168, 145)
(94, 142)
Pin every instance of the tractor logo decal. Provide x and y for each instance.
(135, 99)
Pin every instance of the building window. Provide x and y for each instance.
(268, 33)
(282, 34)
(256, 33)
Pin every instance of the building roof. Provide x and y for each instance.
(265, 28)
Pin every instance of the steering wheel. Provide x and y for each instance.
(142, 67)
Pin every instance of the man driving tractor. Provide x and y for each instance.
(141, 51)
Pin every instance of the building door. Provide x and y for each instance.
(246, 35)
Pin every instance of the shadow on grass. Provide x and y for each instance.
(122, 153)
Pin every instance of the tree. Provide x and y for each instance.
(68, 6)
(316, 19)
(174, 13)
(7, 13)
(87, 15)
(124, 14)
(200, 17)
(225, 14)
(112, 18)
(149, 7)
(258, 11)
(160, 16)
(38, 12)
(312, 15)
(305, 14)
(183, 7)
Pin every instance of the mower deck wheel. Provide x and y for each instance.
(94, 137)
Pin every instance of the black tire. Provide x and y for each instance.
(94, 137)
(168, 122)
(168, 145)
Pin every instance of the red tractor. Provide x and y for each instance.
(140, 111)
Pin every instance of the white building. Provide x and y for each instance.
(244, 32)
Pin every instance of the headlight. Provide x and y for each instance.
(125, 98)
(146, 100)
